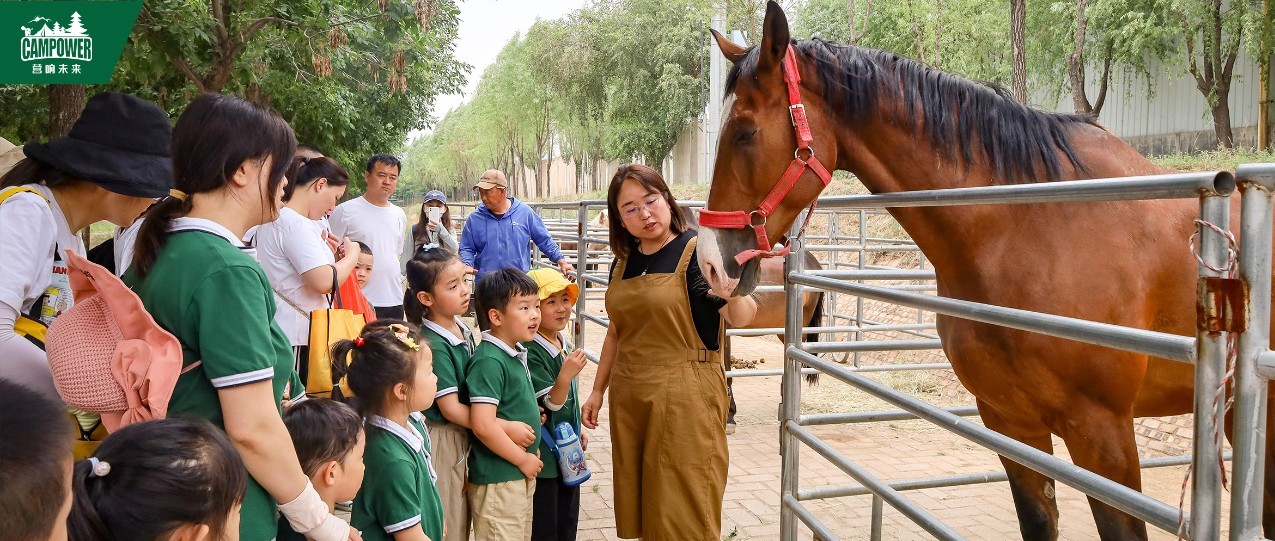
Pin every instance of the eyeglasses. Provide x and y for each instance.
(650, 203)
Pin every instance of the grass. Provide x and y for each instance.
(1213, 160)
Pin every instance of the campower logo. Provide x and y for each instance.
(71, 42)
(56, 42)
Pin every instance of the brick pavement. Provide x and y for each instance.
(897, 450)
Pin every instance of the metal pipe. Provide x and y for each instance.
(817, 419)
(872, 345)
(875, 274)
(1249, 418)
(1206, 499)
(582, 255)
(896, 499)
(865, 248)
(846, 491)
(821, 531)
(877, 510)
(1172, 186)
(790, 395)
(605, 322)
(1091, 484)
(870, 368)
(1156, 344)
(767, 331)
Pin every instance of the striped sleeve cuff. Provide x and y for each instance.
(400, 526)
(444, 392)
(543, 392)
(484, 400)
(245, 378)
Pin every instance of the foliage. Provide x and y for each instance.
(619, 79)
(352, 77)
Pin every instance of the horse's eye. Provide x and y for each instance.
(746, 135)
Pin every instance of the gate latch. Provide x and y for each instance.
(1221, 305)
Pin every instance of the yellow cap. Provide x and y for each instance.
(551, 282)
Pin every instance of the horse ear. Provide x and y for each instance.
(774, 37)
(731, 50)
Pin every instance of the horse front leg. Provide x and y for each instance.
(1102, 442)
(1033, 493)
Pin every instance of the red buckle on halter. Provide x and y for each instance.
(738, 219)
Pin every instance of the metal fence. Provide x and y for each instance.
(847, 275)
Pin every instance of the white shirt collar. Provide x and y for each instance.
(448, 335)
(186, 223)
(516, 351)
(552, 349)
(409, 435)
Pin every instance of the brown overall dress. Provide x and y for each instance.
(668, 412)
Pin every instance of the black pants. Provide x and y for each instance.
(555, 511)
(388, 312)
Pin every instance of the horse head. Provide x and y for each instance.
(756, 194)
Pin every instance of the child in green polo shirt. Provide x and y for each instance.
(501, 472)
(437, 296)
(556, 506)
(393, 377)
(330, 442)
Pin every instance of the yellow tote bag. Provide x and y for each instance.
(326, 328)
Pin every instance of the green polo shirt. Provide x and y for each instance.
(451, 355)
(545, 361)
(214, 297)
(498, 375)
(399, 488)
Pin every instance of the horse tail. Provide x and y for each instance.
(816, 320)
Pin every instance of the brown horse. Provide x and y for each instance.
(900, 126)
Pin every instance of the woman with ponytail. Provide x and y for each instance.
(295, 253)
(201, 283)
(165, 480)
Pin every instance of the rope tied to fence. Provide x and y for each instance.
(1228, 270)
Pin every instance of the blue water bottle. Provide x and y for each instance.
(570, 455)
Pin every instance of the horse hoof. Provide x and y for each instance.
(730, 428)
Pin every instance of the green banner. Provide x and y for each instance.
(63, 42)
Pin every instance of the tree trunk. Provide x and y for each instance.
(1018, 44)
(1222, 123)
(1076, 63)
(1108, 53)
(1264, 69)
(65, 104)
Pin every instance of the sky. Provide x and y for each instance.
(485, 28)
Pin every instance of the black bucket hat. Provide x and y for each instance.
(121, 143)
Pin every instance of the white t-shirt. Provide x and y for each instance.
(383, 230)
(287, 248)
(31, 227)
(125, 240)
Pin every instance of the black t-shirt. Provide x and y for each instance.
(704, 305)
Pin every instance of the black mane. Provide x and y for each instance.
(954, 112)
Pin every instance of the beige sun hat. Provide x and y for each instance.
(10, 155)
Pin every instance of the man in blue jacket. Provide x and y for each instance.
(498, 234)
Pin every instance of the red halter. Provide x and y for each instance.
(738, 219)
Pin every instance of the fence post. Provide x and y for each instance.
(1247, 489)
(582, 253)
(790, 403)
(1211, 347)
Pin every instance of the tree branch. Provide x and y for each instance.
(258, 24)
(186, 70)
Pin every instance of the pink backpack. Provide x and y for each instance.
(107, 353)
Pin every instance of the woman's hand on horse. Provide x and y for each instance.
(589, 415)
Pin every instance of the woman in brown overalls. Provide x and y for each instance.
(662, 360)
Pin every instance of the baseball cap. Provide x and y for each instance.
(552, 282)
(435, 195)
(491, 178)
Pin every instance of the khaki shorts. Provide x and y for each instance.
(502, 511)
(449, 447)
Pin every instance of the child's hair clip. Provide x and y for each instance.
(404, 335)
(359, 341)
